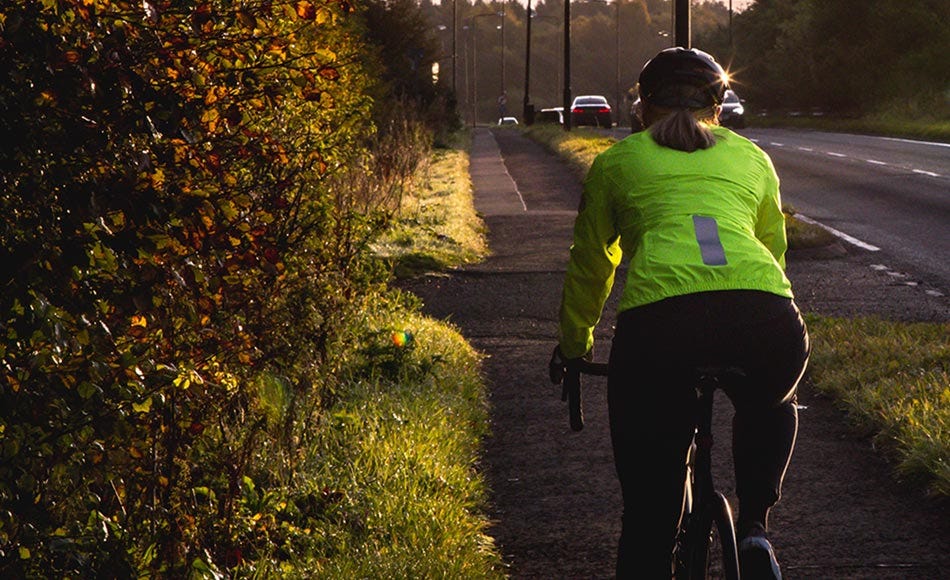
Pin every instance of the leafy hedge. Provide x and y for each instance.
(183, 253)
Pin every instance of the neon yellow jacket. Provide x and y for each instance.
(686, 222)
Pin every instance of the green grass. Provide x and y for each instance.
(437, 227)
(893, 380)
(882, 124)
(390, 486)
(890, 377)
(395, 465)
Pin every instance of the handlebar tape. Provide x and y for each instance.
(572, 390)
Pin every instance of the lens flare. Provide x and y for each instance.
(401, 338)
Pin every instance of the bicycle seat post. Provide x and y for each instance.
(706, 386)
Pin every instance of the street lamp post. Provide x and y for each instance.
(527, 115)
(567, 65)
(455, 54)
(532, 16)
(732, 45)
(681, 23)
(616, 6)
(503, 18)
(567, 58)
(475, 64)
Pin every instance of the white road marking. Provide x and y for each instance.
(927, 173)
(875, 162)
(915, 142)
(850, 239)
(833, 154)
(524, 206)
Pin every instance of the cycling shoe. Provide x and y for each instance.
(757, 557)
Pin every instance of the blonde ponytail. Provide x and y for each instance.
(685, 130)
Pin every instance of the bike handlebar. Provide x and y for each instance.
(567, 372)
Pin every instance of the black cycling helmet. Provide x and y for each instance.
(663, 77)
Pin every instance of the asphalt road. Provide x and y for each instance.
(890, 194)
(555, 501)
(885, 195)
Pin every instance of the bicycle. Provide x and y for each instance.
(707, 519)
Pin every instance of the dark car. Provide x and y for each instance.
(591, 110)
(552, 115)
(635, 124)
(733, 112)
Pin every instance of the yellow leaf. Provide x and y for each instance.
(24, 553)
(139, 320)
(143, 407)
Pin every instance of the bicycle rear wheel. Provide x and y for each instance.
(726, 537)
(705, 536)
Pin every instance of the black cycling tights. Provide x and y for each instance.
(652, 402)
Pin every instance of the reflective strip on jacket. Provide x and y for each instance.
(687, 222)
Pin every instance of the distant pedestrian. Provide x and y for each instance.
(503, 105)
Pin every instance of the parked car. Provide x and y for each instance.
(508, 121)
(732, 114)
(733, 111)
(635, 124)
(551, 115)
(591, 110)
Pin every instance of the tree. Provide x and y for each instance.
(176, 261)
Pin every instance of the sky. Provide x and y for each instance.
(737, 5)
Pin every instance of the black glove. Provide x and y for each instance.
(558, 365)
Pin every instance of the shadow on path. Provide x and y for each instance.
(555, 499)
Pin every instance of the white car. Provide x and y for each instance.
(591, 110)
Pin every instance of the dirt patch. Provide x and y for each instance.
(555, 499)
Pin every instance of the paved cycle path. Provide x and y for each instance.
(555, 501)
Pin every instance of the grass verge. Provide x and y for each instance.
(930, 130)
(395, 466)
(390, 486)
(438, 227)
(891, 378)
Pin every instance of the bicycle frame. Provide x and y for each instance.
(703, 506)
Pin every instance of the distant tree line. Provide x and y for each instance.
(848, 56)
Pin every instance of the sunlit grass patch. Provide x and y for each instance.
(894, 380)
(578, 147)
(805, 235)
(397, 459)
(437, 227)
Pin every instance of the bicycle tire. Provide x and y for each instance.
(572, 393)
(699, 545)
(726, 530)
(706, 536)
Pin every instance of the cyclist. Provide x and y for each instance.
(695, 210)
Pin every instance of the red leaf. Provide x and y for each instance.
(306, 10)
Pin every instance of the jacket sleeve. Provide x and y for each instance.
(770, 222)
(594, 256)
